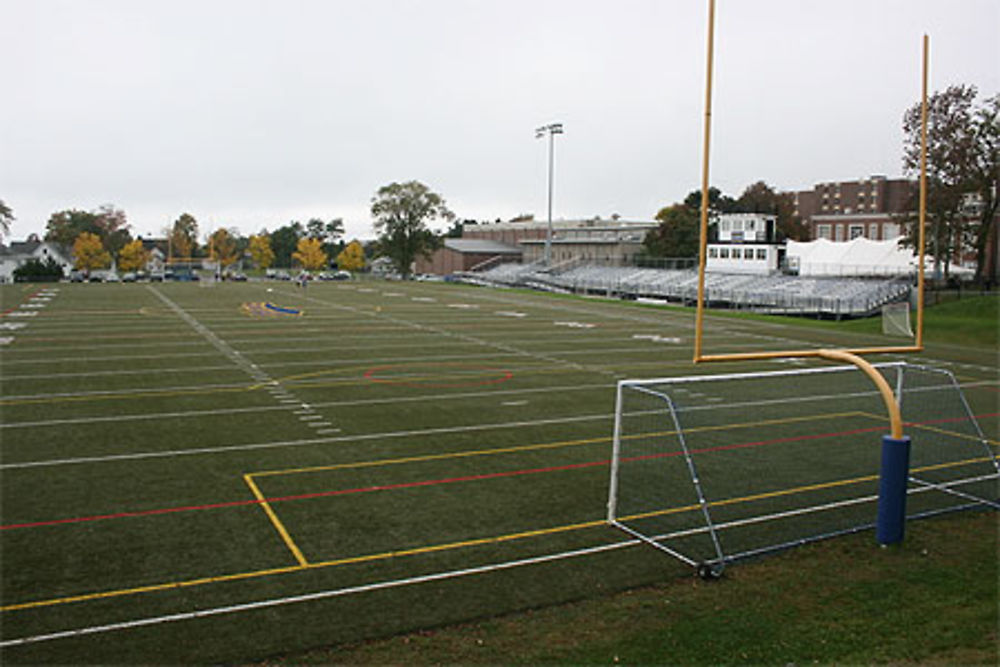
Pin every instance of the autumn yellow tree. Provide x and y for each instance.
(260, 250)
(352, 258)
(183, 237)
(133, 257)
(309, 253)
(90, 253)
(222, 247)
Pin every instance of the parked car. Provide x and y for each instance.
(129, 277)
(77, 277)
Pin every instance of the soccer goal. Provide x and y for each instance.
(716, 468)
(896, 320)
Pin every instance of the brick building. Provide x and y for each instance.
(613, 242)
(464, 254)
(841, 211)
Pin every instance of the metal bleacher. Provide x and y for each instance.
(829, 297)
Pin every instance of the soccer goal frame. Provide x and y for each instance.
(659, 494)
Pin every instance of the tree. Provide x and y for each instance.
(963, 158)
(133, 257)
(401, 212)
(458, 228)
(6, 218)
(223, 246)
(352, 258)
(90, 253)
(718, 203)
(760, 197)
(183, 237)
(284, 241)
(260, 250)
(677, 234)
(309, 253)
(327, 232)
(108, 223)
(35, 270)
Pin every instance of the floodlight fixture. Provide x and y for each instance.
(551, 130)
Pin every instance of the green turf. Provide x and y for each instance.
(137, 419)
(932, 602)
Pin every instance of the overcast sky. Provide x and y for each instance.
(252, 113)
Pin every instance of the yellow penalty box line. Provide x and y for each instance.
(548, 445)
(304, 565)
(275, 521)
(934, 429)
(446, 546)
(519, 368)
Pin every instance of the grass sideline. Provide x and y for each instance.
(931, 601)
(161, 398)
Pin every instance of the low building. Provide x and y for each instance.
(19, 252)
(607, 242)
(465, 254)
(157, 249)
(746, 245)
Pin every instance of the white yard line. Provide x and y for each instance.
(292, 403)
(459, 336)
(340, 592)
(248, 366)
(304, 442)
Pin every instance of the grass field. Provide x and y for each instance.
(189, 475)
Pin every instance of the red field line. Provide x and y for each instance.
(409, 485)
(11, 310)
(454, 480)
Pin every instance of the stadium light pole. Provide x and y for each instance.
(551, 130)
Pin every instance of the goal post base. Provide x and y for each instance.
(893, 476)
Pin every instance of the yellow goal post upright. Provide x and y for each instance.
(895, 446)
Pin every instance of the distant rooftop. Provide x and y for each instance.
(485, 246)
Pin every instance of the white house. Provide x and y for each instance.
(19, 252)
(746, 245)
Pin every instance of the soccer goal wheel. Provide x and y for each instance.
(709, 572)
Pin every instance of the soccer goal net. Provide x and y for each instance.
(896, 320)
(715, 468)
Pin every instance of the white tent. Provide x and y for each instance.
(859, 257)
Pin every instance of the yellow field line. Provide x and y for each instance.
(152, 588)
(280, 527)
(496, 539)
(963, 436)
(440, 547)
(934, 429)
(542, 446)
(350, 381)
